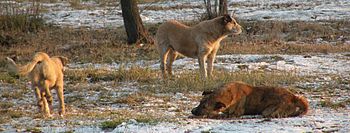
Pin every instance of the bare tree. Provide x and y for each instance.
(215, 8)
(223, 7)
(133, 24)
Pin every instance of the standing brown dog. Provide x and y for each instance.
(45, 73)
(201, 41)
(237, 98)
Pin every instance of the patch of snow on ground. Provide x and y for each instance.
(337, 63)
(316, 121)
(244, 9)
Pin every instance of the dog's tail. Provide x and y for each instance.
(24, 70)
(301, 104)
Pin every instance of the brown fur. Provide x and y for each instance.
(201, 41)
(45, 74)
(237, 98)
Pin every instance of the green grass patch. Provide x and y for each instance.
(111, 124)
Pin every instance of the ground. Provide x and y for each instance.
(113, 87)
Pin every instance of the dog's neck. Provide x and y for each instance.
(213, 33)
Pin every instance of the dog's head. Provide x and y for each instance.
(230, 25)
(64, 61)
(210, 106)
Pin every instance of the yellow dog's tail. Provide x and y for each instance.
(24, 70)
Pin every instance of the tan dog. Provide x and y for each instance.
(45, 73)
(236, 98)
(201, 41)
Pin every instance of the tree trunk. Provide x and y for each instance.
(223, 7)
(207, 4)
(219, 8)
(133, 24)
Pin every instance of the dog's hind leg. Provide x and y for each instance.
(163, 57)
(61, 99)
(171, 58)
(45, 104)
(202, 59)
(38, 97)
(279, 110)
(210, 62)
(236, 109)
(48, 94)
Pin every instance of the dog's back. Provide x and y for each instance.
(175, 35)
(274, 99)
(40, 67)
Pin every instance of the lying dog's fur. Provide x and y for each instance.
(45, 74)
(237, 98)
(201, 41)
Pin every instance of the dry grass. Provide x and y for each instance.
(80, 45)
(191, 81)
(177, 7)
(138, 98)
(111, 124)
(334, 105)
(281, 48)
(143, 75)
(270, 31)
(109, 45)
(13, 18)
(184, 82)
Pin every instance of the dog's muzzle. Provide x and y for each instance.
(237, 30)
(195, 111)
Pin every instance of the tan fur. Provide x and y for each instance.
(201, 41)
(45, 74)
(237, 98)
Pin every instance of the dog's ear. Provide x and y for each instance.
(227, 19)
(219, 105)
(64, 60)
(207, 92)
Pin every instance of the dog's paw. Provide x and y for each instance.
(62, 113)
(48, 116)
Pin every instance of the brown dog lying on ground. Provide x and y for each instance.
(45, 73)
(237, 98)
(201, 41)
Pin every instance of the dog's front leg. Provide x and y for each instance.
(61, 99)
(202, 67)
(163, 57)
(211, 59)
(202, 58)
